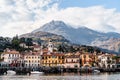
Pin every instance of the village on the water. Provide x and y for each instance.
(50, 60)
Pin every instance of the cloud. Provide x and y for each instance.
(22, 16)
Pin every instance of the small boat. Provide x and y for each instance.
(36, 72)
(11, 72)
(96, 71)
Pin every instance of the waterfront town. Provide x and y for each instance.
(49, 59)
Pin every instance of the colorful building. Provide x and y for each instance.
(32, 59)
(106, 61)
(86, 59)
(52, 59)
(11, 57)
(72, 60)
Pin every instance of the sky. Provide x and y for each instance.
(23, 16)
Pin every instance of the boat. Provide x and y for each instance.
(36, 72)
(11, 72)
(96, 71)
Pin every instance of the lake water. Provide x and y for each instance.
(64, 76)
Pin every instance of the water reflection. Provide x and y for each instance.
(63, 76)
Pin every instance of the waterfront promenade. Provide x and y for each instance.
(46, 70)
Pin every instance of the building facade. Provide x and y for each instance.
(72, 60)
(106, 61)
(86, 59)
(32, 60)
(52, 59)
(11, 57)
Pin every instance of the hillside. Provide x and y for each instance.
(44, 37)
(82, 35)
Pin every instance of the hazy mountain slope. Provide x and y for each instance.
(80, 35)
(45, 37)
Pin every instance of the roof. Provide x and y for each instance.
(53, 54)
(32, 54)
(11, 52)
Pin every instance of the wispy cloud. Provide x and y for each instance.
(22, 16)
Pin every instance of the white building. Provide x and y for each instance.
(10, 56)
(24, 45)
(32, 60)
(106, 61)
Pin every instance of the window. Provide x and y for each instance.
(84, 56)
(9, 55)
(54, 56)
(66, 61)
(75, 66)
(13, 55)
(72, 60)
(59, 57)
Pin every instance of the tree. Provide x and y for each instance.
(72, 49)
(15, 43)
(62, 48)
(29, 42)
(22, 40)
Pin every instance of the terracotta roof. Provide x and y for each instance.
(72, 56)
(31, 53)
(51, 54)
(11, 52)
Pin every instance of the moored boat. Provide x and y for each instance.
(36, 72)
(96, 71)
(11, 72)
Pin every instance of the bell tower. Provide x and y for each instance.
(50, 46)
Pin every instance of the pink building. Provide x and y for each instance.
(72, 60)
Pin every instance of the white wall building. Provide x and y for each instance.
(106, 61)
(10, 56)
(32, 60)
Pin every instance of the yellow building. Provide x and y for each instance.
(52, 59)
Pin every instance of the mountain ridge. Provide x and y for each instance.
(81, 35)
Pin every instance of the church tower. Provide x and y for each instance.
(50, 47)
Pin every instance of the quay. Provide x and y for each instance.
(24, 71)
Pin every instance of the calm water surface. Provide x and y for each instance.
(64, 76)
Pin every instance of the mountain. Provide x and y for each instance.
(81, 35)
(112, 44)
(44, 37)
